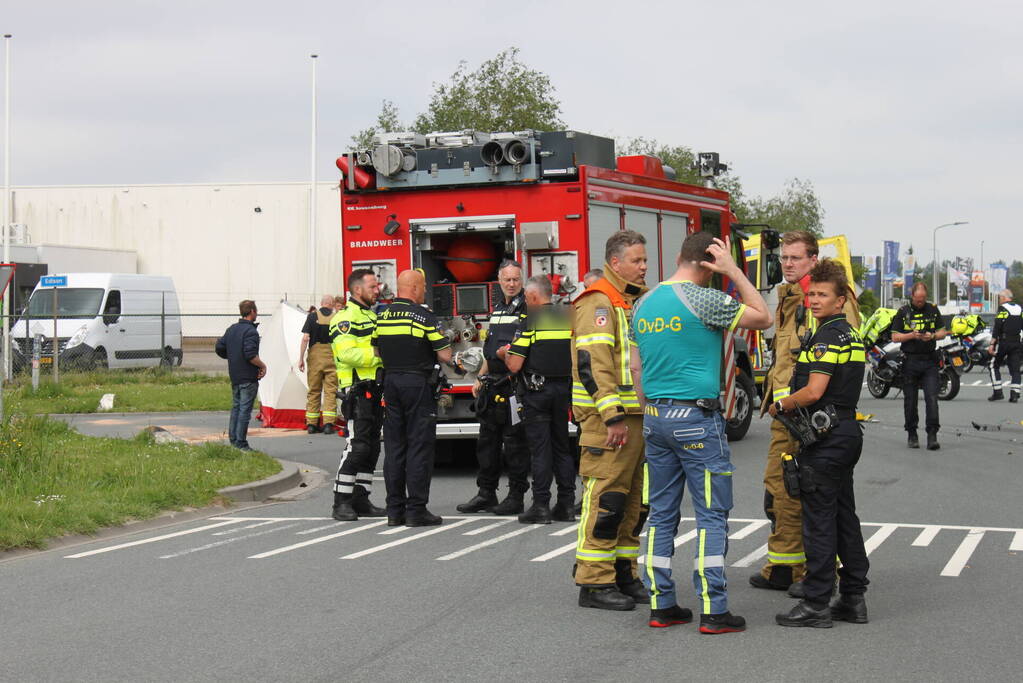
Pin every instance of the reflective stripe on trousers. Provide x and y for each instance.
(688, 449)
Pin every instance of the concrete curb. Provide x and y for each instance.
(289, 477)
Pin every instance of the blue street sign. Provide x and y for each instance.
(53, 281)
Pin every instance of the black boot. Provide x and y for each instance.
(629, 584)
(605, 597)
(343, 510)
(328, 428)
(1013, 397)
(913, 441)
(538, 513)
(932, 442)
(579, 508)
(781, 579)
(997, 395)
(670, 616)
(312, 429)
(365, 508)
(484, 501)
(805, 614)
(722, 623)
(425, 518)
(512, 505)
(849, 607)
(562, 512)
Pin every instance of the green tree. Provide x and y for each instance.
(503, 94)
(387, 120)
(797, 207)
(868, 303)
(1016, 285)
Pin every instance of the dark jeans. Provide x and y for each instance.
(830, 524)
(242, 397)
(410, 434)
(545, 419)
(920, 372)
(502, 445)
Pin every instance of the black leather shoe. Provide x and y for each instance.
(512, 505)
(932, 442)
(635, 590)
(538, 513)
(327, 429)
(426, 518)
(608, 597)
(803, 614)
(670, 616)
(484, 501)
(344, 512)
(366, 508)
(1013, 397)
(996, 395)
(721, 623)
(758, 581)
(849, 607)
(562, 512)
(396, 521)
(796, 590)
(912, 441)
(312, 429)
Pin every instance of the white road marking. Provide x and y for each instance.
(407, 539)
(879, 537)
(318, 528)
(318, 539)
(1017, 542)
(977, 383)
(554, 553)
(153, 539)
(242, 528)
(752, 557)
(570, 529)
(685, 538)
(488, 542)
(962, 554)
(747, 530)
(216, 544)
(926, 536)
(483, 529)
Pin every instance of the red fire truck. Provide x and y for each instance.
(456, 204)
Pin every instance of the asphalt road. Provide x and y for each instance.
(282, 592)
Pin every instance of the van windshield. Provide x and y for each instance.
(71, 302)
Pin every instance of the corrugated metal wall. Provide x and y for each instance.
(210, 238)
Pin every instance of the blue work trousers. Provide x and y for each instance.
(687, 444)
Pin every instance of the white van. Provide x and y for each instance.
(110, 320)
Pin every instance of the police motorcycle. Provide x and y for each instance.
(970, 331)
(885, 361)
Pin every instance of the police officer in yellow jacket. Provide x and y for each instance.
(357, 366)
(606, 405)
(786, 560)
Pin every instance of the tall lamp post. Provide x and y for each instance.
(312, 194)
(934, 248)
(6, 370)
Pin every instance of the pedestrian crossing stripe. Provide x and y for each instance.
(230, 530)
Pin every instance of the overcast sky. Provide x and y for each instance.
(904, 115)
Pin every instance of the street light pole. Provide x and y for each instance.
(312, 195)
(6, 370)
(934, 248)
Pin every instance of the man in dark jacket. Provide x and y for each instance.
(240, 346)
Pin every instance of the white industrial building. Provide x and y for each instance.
(220, 242)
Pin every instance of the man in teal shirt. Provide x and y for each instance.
(679, 327)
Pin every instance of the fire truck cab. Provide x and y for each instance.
(456, 204)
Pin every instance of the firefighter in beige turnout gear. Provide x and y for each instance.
(606, 405)
(786, 561)
(321, 374)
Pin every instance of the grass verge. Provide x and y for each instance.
(135, 391)
(55, 481)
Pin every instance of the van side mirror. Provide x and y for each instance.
(770, 258)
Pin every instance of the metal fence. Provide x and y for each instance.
(51, 345)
